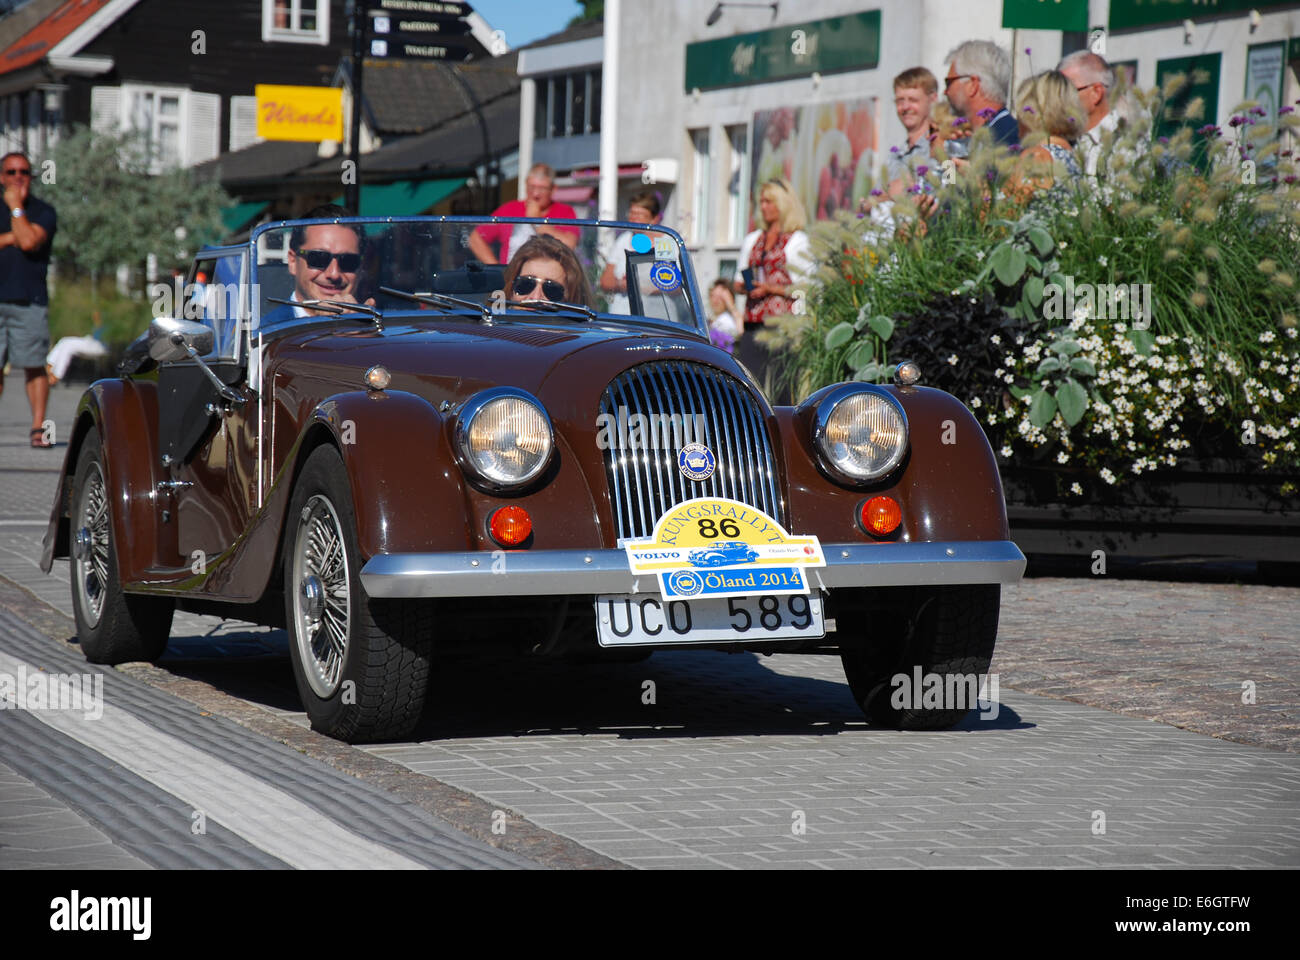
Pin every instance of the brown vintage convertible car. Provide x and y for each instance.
(359, 431)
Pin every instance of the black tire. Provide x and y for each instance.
(113, 627)
(955, 631)
(375, 688)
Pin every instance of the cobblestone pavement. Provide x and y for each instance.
(743, 761)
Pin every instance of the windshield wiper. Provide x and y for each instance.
(346, 306)
(441, 300)
(313, 304)
(337, 308)
(553, 306)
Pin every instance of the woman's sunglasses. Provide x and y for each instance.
(320, 260)
(551, 289)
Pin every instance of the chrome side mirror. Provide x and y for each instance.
(172, 339)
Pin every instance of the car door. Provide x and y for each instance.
(209, 441)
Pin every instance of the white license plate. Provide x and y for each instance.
(646, 619)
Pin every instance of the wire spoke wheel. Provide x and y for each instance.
(90, 553)
(322, 590)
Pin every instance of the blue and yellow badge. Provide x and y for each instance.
(665, 276)
(714, 547)
(696, 462)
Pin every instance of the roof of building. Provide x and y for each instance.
(581, 31)
(455, 146)
(44, 24)
(411, 96)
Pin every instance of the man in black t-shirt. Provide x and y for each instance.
(27, 227)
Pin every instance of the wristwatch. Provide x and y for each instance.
(17, 212)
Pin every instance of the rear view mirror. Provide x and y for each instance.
(172, 339)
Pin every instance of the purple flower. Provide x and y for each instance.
(893, 149)
(1014, 148)
(991, 175)
(986, 113)
(922, 170)
(1259, 111)
(1164, 139)
(1026, 109)
(877, 192)
(1029, 51)
(1236, 121)
(1208, 129)
(722, 339)
(1289, 179)
(1282, 110)
(958, 121)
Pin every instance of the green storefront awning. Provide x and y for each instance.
(239, 215)
(404, 198)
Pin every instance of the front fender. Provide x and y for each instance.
(408, 494)
(948, 486)
(125, 412)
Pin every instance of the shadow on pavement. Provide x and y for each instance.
(672, 694)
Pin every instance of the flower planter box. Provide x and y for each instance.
(1209, 509)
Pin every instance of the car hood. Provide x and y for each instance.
(566, 364)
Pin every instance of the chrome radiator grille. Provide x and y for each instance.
(651, 411)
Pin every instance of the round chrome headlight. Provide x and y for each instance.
(504, 437)
(860, 433)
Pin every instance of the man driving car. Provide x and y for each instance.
(324, 260)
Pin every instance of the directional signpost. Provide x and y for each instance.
(428, 30)
(422, 35)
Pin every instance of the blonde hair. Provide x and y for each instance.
(1048, 103)
(789, 208)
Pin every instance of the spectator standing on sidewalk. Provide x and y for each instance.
(977, 88)
(915, 93)
(539, 187)
(774, 260)
(1094, 79)
(27, 226)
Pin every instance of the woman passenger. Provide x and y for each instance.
(546, 269)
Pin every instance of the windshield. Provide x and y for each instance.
(474, 267)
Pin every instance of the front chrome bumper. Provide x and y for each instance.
(525, 573)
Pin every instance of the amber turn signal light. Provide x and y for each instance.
(511, 526)
(881, 516)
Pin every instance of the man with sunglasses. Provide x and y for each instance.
(1094, 79)
(26, 234)
(324, 261)
(977, 88)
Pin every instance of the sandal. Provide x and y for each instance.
(37, 437)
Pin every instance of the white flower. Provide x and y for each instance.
(996, 340)
(1005, 451)
(953, 360)
(974, 403)
(1076, 489)
(1062, 457)
(1062, 245)
(1107, 475)
(1267, 337)
(1103, 261)
(979, 255)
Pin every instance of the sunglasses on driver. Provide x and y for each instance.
(551, 289)
(320, 260)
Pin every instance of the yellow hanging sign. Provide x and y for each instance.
(299, 113)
